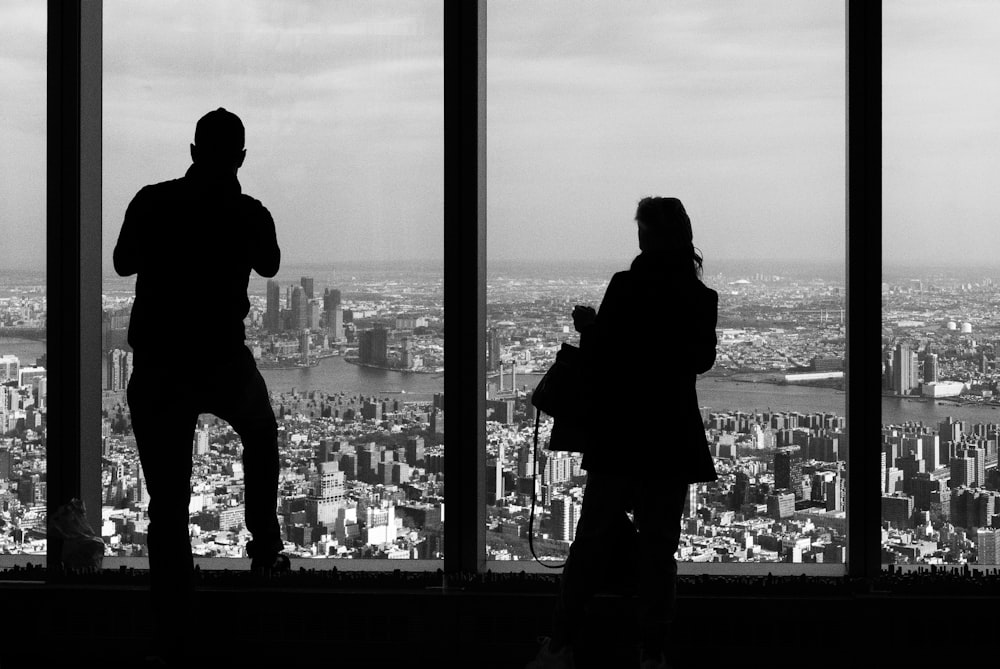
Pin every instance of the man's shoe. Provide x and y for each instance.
(270, 564)
(653, 661)
(549, 659)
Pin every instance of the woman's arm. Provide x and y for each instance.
(705, 340)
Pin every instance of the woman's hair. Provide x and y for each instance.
(667, 222)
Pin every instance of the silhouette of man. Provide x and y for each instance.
(192, 243)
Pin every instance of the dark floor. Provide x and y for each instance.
(239, 624)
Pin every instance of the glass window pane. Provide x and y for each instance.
(940, 151)
(23, 382)
(342, 107)
(737, 110)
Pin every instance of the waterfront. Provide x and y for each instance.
(336, 375)
(26, 350)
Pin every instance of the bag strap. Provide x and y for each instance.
(534, 489)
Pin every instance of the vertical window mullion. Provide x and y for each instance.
(465, 283)
(62, 258)
(864, 254)
(73, 258)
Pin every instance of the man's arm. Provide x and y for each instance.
(265, 256)
(128, 250)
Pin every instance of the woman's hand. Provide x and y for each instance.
(583, 317)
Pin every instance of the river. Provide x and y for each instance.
(336, 375)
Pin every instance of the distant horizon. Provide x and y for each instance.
(712, 264)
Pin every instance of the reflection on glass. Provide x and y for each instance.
(739, 112)
(940, 426)
(23, 381)
(343, 114)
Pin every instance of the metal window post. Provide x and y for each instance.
(73, 258)
(465, 283)
(864, 262)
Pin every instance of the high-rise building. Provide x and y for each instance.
(494, 483)
(307, 286)
(299, 306)
(834, 492)
(272, 317)
(781, 505)
(783, 469)
(930, 447)
(141, 490)
(741, 491)
(565, 515)
(6, 464)
(988, 546)
(493, 350)
(380, 525)
(373, 346)
(415, 451)
(903, 376)
(950, 430)
(326, 496)
(897, 509)
(201, 441)
(931, 368)
(406, 353)
(115, 369)
(437, 421)
(331, 299)
(335, 323)
(313, 312)
(304, 345)
(963, 471)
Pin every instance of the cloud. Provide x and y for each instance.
(941, 138)
(740, 112)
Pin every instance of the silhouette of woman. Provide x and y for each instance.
(654, 333)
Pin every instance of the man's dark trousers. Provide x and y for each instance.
(165, 401)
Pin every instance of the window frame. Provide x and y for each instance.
(73, 230)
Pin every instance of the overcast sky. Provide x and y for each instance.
(737, 108)
(940, 131)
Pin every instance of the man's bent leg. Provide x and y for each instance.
(247, 407)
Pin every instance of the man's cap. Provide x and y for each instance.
(220, 132)
(665, 217)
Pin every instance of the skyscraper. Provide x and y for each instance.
(565, 515)
(304, 343)
(493, 351)
(331, 298)
(373, 346)
(307, 285)
(115, 369)
(988, 545)
(201, 441)
(931, 368)
(299, 306)
(415, 451)
(272, 317)
(903, 377)
(326, 496)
